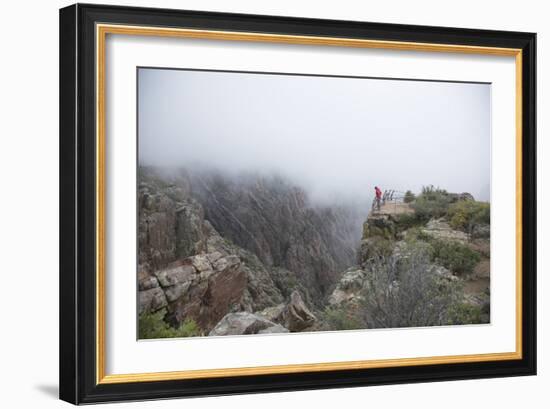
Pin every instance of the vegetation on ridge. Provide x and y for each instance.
(153, 326)
(416, 265)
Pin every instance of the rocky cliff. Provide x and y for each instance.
(417, 271)
(210, 246)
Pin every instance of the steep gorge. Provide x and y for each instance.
(211, 245)
(276, 221)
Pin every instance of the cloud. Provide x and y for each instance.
(336, 137)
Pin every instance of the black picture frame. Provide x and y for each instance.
(78, 313)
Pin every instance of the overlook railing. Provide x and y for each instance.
(390, 196)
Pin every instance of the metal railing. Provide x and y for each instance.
(389, 196)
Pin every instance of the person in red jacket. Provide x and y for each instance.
(378, 193)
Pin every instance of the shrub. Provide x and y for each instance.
(431, 203)
(379, 227)
(416, 234)
(462, 313)
(285, 280)
(407, 221)
(406, 292)
(455, 256)
(374, 247)
(409, 197)
(466, 214)
(152, 325)
(339, 318)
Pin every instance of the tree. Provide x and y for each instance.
(409, 197)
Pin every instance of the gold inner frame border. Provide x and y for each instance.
(102, 30)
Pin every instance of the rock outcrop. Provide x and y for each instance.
(295, 315)
(207, 290)
(398, 252)
(245, 323)
(349, 287)
(170, 221)
(379, 230)
(152, 299)
(481, 231)
(440, 229)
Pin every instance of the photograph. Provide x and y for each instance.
(276, 203)
(260, 202)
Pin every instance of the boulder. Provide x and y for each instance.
(244, 323)
(201, 262)
(442, 272)
(379, 225)
(176, 291)
(151, 300)
(296, 316)
(482, 231)
(349, 287)
(273, 313)
(276, 329)
(147, 283)
(226, 263)
(175, 275)
(214, 256)
(440, 229)
(204, 275)
(212, 295)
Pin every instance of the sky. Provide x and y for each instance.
(335, 137)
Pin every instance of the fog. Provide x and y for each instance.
(335, 137)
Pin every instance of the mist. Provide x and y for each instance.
(335, 137)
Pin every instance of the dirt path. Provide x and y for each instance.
(476, 286)
(394, 208)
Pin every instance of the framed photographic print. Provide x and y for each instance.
(257, 203)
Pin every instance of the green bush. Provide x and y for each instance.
(342, 319)
(384, 228)
(455, 256)
(407, 221)
(409, 197)
(466, 214)
(416, 233)
(462, 313)
(285, 280)
(152, 325)
(431, 203)
(374, 247)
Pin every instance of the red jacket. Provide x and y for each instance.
(378, 193)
